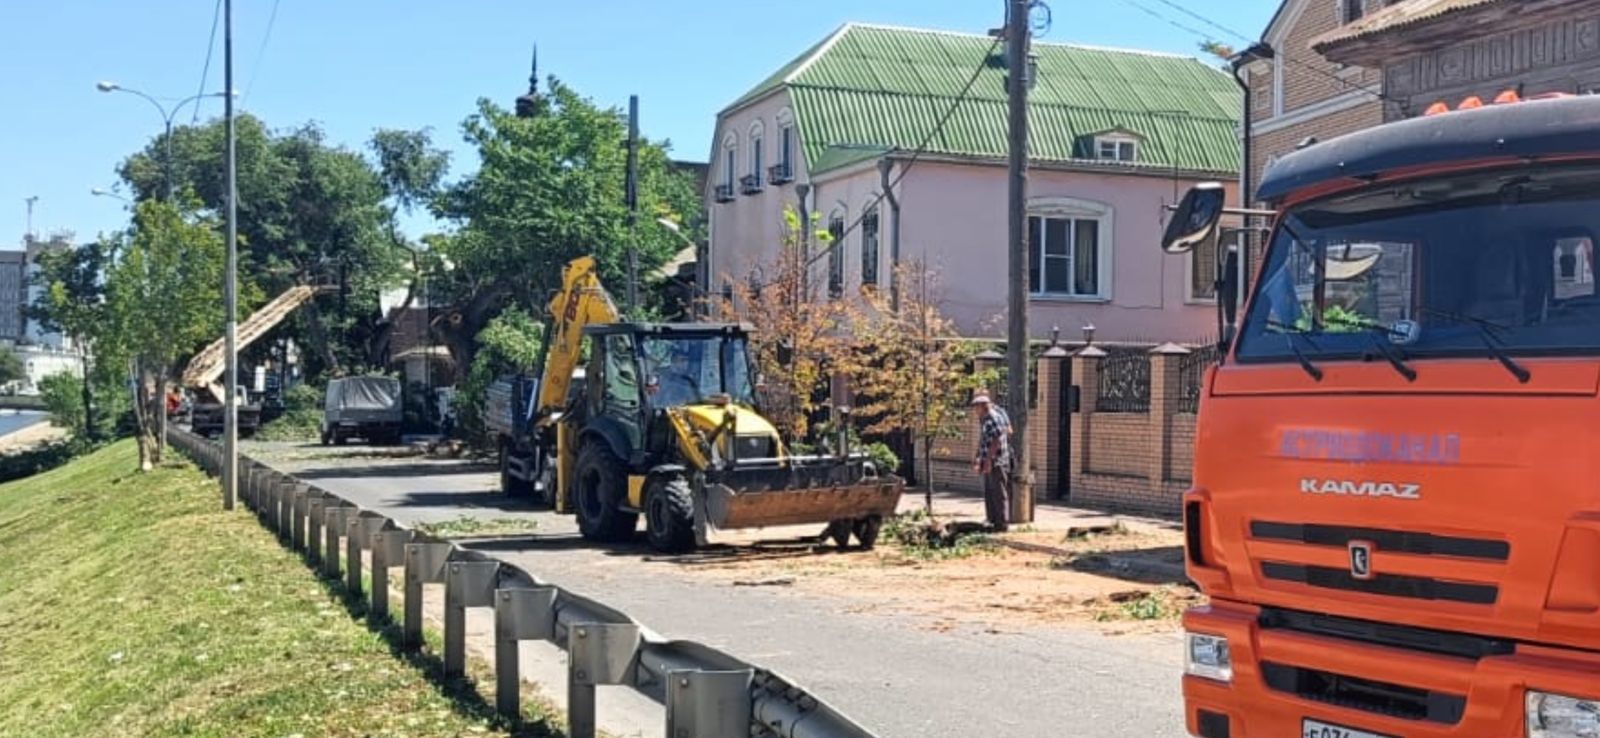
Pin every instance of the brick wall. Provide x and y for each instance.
(1117, 444)
(1282, 141)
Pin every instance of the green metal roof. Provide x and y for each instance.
(867, 87)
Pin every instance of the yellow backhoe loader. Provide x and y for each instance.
(663, 424)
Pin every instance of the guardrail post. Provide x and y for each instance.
(467, 584)
(709, 704)
(283, 496)
(316, 510)
(334, 515)
(522, 614)
(388, 550)
(358, 535)
(597, 653)
(424, 565)
(299, 507)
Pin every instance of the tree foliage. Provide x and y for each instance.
(550, 188)
(11, 369)
(510, 344)
(72, 303)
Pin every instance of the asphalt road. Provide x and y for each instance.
(889, 672)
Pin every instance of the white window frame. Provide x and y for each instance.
(1117, 143)
(787, 152)
(730, 161)
(1072, 208)
(757, 158)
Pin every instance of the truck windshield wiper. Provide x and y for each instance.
(1487, 331)
(1304, 335)
(1379, 333)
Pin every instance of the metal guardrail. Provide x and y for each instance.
(706, 693)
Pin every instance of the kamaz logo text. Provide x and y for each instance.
(1349, 488)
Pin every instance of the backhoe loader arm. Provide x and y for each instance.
(582, 301)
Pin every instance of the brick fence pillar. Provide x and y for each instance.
(1165, 397)
(989, 361)
(1086, 375)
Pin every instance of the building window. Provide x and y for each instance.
(869, 248)
(1203, 264)
(1352, 10)
(783, 171)
(1116, 149)
(1067, 257)
(836, 254)
(750, 184)
(730, 172)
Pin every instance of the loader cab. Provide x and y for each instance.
(637, 371)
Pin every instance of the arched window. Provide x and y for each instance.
(870, 253)
(836, 252)
(757, 157)
(730, 163)
(1072, 245)
(784, 170)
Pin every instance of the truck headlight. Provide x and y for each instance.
(1207, 656)
(1559, 716)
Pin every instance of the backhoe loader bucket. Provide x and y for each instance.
(797, 491)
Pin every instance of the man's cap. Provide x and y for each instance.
(980, 399)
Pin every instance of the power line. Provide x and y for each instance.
(255, 69)
(916, 154)
(211, 45)
(1310, 67)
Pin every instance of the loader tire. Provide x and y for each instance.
(509, 484)
(669, 514)
(866, 530)
(839, 531)
(602, 486)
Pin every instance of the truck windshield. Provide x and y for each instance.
(686, 370)
(1491, 264)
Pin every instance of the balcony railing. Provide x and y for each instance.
(724, 193)
(750, 184)
(779, 174)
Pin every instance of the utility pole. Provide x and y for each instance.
(632, 196)
(230, 431)
(1017, 237)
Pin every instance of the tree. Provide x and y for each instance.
(11, 369)
(510, 344)
(163, 300)
(797, 336)
(549, 189)
(309, 213)
(72, 302)
(1217, 49)
(909, 368)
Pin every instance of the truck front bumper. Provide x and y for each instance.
(1281, 678)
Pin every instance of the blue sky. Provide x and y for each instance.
(357, 65)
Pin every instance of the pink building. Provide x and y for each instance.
(1116, 137)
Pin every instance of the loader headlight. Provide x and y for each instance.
(1207, 656)
(1559, 716)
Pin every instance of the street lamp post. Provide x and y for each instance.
(166, 120)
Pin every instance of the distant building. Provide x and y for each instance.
(13, 295)
(32, 332)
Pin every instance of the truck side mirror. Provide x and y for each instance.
(1195, 220)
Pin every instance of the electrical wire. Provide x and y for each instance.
(260, 52)
(961, 97)
(1308, 66)
(205, 70)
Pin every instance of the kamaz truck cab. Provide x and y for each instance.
(1396, 506)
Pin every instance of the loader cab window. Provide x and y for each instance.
(1435, 268)
(617, 392)
(688, 370)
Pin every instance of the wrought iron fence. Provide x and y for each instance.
(1124, 382)
(1191, 374)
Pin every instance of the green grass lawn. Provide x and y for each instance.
(131, 605)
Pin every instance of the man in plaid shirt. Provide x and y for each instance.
(993, 460)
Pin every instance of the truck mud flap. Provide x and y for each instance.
(759, 498)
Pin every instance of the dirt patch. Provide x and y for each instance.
(1022, 579)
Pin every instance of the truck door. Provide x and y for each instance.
(614, 387)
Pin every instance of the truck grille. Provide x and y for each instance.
(1440, 642)
(1392, 585)
(1367, 695)
(1425, 544)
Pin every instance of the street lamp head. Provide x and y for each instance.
(669, 225)
(105, 86)
(99, 192)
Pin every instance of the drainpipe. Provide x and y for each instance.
(1259, 51)
(885, 166)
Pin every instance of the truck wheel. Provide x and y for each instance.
(866, 530)
(509, 484)
(339, 438)
(669, 514)
(602, 484)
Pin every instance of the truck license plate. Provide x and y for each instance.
(1314, 729)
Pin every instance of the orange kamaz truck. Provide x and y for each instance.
(1396, 507)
